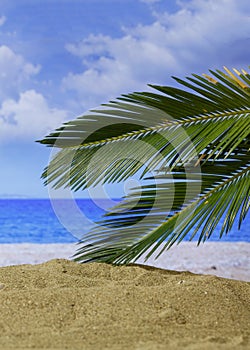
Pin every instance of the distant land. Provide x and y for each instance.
(14, 196)
(20, 196)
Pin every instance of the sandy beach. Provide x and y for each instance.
(229, 260)
(64, 305)
(59, 304)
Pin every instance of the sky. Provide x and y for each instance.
(59, 58)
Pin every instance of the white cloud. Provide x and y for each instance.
(214, 22)
(25, 114)
(14, 72)
(28, 118)
(203, 34)
(150, 1)
(118, 68)
(2, 20)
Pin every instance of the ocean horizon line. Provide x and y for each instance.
(59, 198)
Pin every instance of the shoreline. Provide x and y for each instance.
(223, 259)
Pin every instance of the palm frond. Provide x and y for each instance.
(183, 141)
(168, 212)
(196, 142)
(156, 120)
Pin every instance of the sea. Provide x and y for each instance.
(66, 221)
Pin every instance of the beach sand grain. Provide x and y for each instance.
(223, 259)
(64, 305)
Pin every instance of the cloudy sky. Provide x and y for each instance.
(59, 58)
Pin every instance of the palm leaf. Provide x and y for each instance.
(81, 139)
(154, 216)
(204, 133)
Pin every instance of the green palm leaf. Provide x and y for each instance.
(225, 190)
(81, 139)
(197, 144)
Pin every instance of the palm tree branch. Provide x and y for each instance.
(139, 240)
(130, 112)
(175, 133)
(179, 141)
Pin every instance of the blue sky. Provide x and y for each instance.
(60, 58)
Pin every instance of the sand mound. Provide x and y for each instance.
(64, 305)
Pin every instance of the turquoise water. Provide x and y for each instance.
(34, 221)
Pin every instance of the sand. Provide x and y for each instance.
(229, 260)
(64, 305)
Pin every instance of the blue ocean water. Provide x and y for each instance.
(34, 221)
